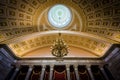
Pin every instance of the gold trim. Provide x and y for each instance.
(36, 73)
(83, 72)
(60, 73)
(22, 73)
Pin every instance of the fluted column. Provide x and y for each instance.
(29, 72)
(90, 72)
(51, 72)
(68, 71)
(43, 72)
(103, 72)
(15, 72)
(76, 72)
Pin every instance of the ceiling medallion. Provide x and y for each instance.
(59, 16)
(59, 49)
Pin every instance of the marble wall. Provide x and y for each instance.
(6, 62)
(113, 62)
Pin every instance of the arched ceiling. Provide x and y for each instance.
(94, 28)
(31, 45)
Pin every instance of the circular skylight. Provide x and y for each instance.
(59, 16)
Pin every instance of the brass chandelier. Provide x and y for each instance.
(59, 49)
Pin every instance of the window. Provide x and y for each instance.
(59, 16)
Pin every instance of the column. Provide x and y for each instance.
(42, 73)
(51, 72)
(68, 71)
(15, 72)
(29, 72)
(90, 73)
(103, 72)
(76, 72)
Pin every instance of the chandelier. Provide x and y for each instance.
(59, 49)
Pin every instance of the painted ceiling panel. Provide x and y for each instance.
(93, 44)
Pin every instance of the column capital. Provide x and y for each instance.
(30, 66)
(15, 73)
(101, 66)
(43, 71)
(67, 65)
(76, 71)
(89, 71)
(68, 71)
(75, 65)
(103, 72)
(52, 65)
(29, 72)
(51, 72)
(43, 66)
(88, 65)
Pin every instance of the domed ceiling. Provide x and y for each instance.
(25, 26)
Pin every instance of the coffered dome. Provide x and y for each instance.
(29, 27)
